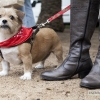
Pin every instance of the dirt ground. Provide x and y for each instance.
(13, 88)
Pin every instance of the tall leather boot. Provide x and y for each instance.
(92, 80)
(84, 15)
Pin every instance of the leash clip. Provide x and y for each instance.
(43, 24)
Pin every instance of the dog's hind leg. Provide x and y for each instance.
(59, 54)
(40, 65)
(5, 68)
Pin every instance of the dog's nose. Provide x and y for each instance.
(4, 21)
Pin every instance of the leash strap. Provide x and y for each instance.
(54, 17)
(59, 13)
(38, 26)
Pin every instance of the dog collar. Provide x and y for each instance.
(23, 35)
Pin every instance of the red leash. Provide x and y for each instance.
(37, 27)
(59, 13)
(54, 16)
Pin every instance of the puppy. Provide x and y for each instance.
(45, 42)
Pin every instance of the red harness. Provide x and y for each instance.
(23, 35)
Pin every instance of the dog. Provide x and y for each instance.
(45, 42)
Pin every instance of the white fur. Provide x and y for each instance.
(26, 76)
(5, 68)
(4, 36)
(11, 55)
(40, 65)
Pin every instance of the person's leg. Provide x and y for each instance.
(84, 16)
(92, 80)
(28, 20)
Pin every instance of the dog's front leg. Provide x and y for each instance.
(27, 61)
(5, 68)
(26, 58)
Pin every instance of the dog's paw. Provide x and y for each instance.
(3, 73)
(39, 66)
(26, 76)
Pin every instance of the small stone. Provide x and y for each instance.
(48, 89)
(67, 93)
(62, 82)
(37, 99)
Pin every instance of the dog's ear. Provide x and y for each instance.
(20, 14)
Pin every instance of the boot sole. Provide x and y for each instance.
(54, 79)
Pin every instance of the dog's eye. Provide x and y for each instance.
(12, 17)
(0, 16)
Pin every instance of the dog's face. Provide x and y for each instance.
(10, 19)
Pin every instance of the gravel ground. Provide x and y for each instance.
(12, 88)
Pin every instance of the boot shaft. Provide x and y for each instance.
(84, 16)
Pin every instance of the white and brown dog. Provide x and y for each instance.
(45, 42)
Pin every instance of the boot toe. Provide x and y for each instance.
(90, 82)
(48, 76)
(85, 82)
(54, 75)
(59, 73)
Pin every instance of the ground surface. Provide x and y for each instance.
(12, 88)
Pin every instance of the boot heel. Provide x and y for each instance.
(83, 74)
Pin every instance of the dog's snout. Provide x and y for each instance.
(4, 21)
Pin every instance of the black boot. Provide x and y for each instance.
(92, 80)
(84, 15)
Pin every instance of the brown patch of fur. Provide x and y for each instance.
(45, 42)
